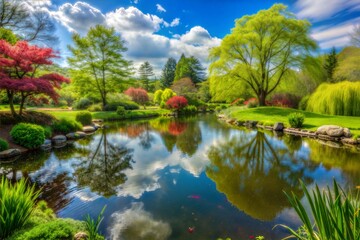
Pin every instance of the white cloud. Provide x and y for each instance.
(160, 8)
(78, 17)
(317, 10)
(175, 22)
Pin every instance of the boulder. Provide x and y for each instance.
(81, 236)
(96, 126)
(278, 126)
(59, 139)
(12, 152)
(75, 135)
(331, 130)
(46, 145)
(231, 120)
(89, 129)
(80, 134)
(350, 141)
(347, 133)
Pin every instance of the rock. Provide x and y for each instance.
(76, 135)
(80, 134)
(96, 126)
(231, 120)
(81, 236)
(330, 130)
(278, 126)
(12, 152)
(349, 141)
(89, 129)
(46, 145)
(97, 121)
(59, 139)
(251, 123)
(239, 123)
(347, 133)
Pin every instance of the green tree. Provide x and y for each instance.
(146, 72)
(349, 67)
(168, 73)
(262, 48)
(355, 36)
(98, 65)
(8, 36)
(331, 62)
(191, 68)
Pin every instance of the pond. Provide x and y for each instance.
(161, 176)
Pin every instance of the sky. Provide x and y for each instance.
(155, 30)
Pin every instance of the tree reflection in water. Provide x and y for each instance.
(103, 171)
(253, 171)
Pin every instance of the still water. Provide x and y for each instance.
(159, 177)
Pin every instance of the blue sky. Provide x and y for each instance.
(157, 29)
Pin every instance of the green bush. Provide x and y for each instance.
(121, 111)
(17, 202)
(303, 102)
(3, 144)
(65, 125)
(128, 105)
(296, 120)
(47, 131)
(82, 104)
(84, 117)
(28, 135)
(95, 108)
(341, 98)
(190, 109)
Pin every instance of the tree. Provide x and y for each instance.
(189, 67)
(146, 72)
(331, 62)
(8, 36)
(355, 36)
(168, 73)
(32, 26)
(97, 62)
(185, 87)
(19, 65)
(138, 95)
(157, 96)
(177, 103)
(262, 48)
(348, 67)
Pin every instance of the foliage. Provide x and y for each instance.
(65, 125)
(157, 96)
(244, 54)
(220, 108)
(92, 226)
(128, 105)
(341, 98)
(189, 68)
(355, 36)
(16, 205)
(238, 102)
(4, 145)
(348, 67)
(251, 103)
(95, 108)
(82, 103)
(204, 91)
(138, 95)
(101, 74)
(190, 109)
(296, 120)
(8, 36)
(333, 214)
(47, 131)
(166, 95)
(121, 111)
(184, 87)
(303, 102)
(176, 102)
(331, 62)
(28, 135)
(146, 72)
(18, 71)
(28, 116)
(84, 117)
(168, 73)
(284, 100)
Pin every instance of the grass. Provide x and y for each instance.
(271, 115)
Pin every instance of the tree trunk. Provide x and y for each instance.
(103, 98)
(262, 97)
(23, 98)
(10, 96)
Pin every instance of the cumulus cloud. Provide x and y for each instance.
(78, 17)
(322, 9)
(136, 223)
(160, 8)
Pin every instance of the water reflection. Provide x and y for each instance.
(253, 170)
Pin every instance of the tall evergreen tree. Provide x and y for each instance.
(180, 67)
(168, 73)
(331, 63)
(146, 72)
(191, 68)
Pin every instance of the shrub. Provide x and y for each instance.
(238, 102)
(157, 96)
(284, 100)
(176, 103)
(252, 103)
(121, 111)
(191, 109)
(337, 99)
(84, 117)
(28, 135)
(3, 144)
(167, 94)
(65, 125)
(95, 108)
(16, 205)
(128, 105)
(303, 103)
(138, 95)
(296, 120)
(47, 131)
(82, 104)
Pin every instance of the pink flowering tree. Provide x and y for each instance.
(177, 103)
(138, 95)
(18, 73)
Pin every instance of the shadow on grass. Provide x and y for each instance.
(309, 126)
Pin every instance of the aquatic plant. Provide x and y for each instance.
(17, 202)
(335, 215)
(92, 226)
(336, 99)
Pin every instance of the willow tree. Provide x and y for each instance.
(262, 48)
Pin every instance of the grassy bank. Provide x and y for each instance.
(271, 115)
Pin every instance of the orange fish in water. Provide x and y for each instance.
(191, 229)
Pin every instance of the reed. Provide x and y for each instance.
(17, 202)
(341, 98)
(92, 226)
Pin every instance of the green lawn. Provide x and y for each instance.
(270, 115)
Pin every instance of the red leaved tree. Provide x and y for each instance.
(18, 72)
(177, 103)
(138, 95)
